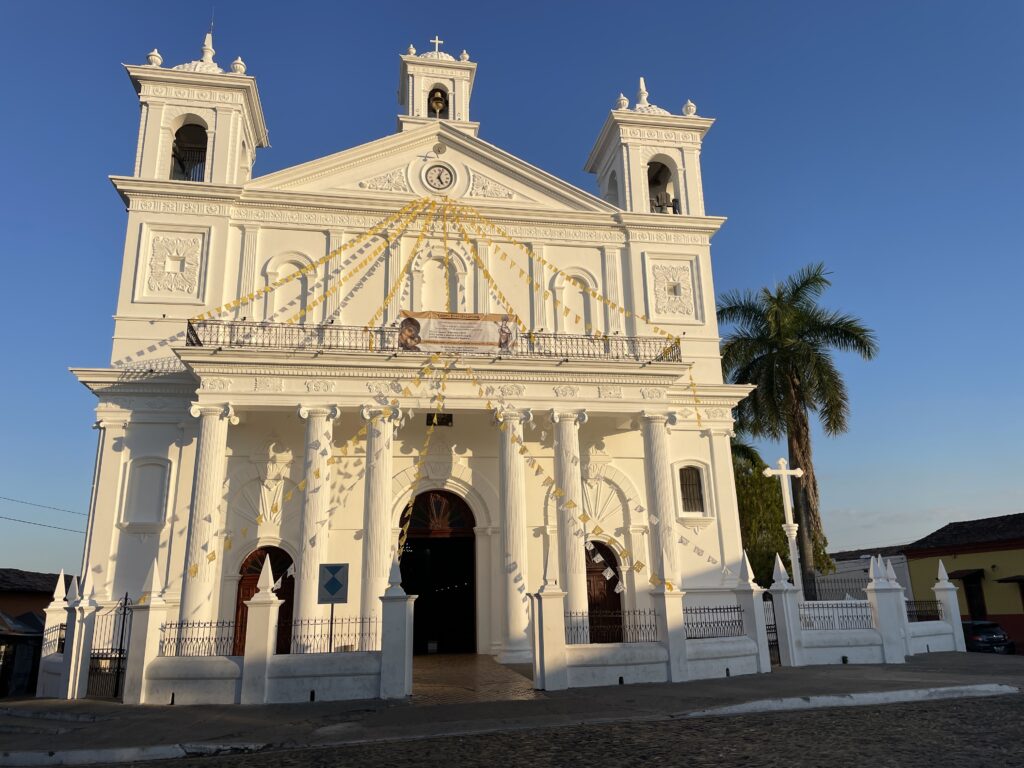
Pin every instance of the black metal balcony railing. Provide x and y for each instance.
(231, 334)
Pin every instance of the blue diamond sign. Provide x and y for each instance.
(333, 584)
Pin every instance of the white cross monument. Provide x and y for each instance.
(437, 43)
(783, 473)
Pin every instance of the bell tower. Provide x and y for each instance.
(198, 123)
(436, 86)
(647, 160)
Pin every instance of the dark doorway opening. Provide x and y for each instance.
(974, 593)
(252, 566)
(604, 604)
(439, 565)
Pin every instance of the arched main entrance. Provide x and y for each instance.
(252, 566)
(438, 565)
(604, 603)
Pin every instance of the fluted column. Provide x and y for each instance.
(315, 506)
(202, 560)
(516, 643)
(569, 481)
(660, 503)
(377, 543)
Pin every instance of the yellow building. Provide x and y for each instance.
(985, 558)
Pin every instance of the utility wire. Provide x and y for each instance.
(41, 525)
(43, 506)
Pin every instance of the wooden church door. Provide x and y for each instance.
(604, 604)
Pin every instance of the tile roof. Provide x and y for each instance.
(15, 580)
(989, 530)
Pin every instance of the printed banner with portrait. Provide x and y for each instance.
(460, 332)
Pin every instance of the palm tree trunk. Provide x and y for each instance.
(805, 491)
(803, 511)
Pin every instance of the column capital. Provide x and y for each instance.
(513, 415)
(387, 412)
(578, 415)
(667, 418)
(330, 412)
(111, 424)
(222, 410)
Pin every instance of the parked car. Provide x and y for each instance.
(987, 636)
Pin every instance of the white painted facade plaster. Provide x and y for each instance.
(216, 438)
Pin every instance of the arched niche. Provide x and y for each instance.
(291, 298)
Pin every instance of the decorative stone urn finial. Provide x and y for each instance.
(689, 108)
(411, 51)
(623, 102)
(238, 66)
(464, 56)
(154, 58)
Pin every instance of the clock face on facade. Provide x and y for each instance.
(439, 177)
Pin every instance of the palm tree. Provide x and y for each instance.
(782, 342)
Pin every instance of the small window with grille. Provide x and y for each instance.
(692, 490)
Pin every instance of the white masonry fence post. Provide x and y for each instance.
(147, 616)
(888, 613)
(78, 640)
(550, 663)
(260, 638)
(56, 614)
(671, 619)
(945, 593)
(786, 601)
(396, 637)
(750, 599)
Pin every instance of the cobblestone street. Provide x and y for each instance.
(966, 732)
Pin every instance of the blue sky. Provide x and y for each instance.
(883, 138)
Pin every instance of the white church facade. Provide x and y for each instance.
(424, 349)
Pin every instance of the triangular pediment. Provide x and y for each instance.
(401, 166)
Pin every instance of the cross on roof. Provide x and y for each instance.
(437, 43)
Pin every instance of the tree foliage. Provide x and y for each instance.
(782, 341)
(761, 515)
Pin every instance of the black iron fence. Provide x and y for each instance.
(197, 638)
(836, 587)
(638, 626)
(233, 334)
(771, 628)
(108, 658)
(53, 639)
(924, 610)
(188, 165)
(840, 614)
(350, 633)
(713, 621)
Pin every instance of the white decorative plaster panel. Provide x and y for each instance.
(174, 266)
(481, 186)
(673, 289)
(392, 181)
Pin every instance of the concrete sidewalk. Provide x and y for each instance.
(48, 732)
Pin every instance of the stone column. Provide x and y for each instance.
(377, 543)
(148, 615)
(660, 503)
(786, 602)
(315, 506)
(516, 645)
(202, 561)
(888, 613)
(568, 480)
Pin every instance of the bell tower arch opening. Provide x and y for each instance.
(439, 565)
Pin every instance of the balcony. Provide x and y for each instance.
(349, 338)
